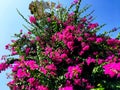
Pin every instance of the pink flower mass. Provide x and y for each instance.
(66, 88)
(62, 50)
(112, 69)
(3, 66)
(21, 73)
(31, 80)
(32, 64)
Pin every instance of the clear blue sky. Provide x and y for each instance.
(106, 11)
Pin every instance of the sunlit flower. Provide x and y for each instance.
(32, 19)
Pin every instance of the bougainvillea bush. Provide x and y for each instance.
(62, 51)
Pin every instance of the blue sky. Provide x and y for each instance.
(106, 11)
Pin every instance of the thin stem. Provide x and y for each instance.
(77, 10)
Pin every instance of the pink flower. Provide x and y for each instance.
(56, 57)
(69, 37)
(77, 81)
(7, 46)
(31, 80)
(70, 45)
(81, 53)
(86, 48)
(52, 73)
(110, 41)
(15, 67)
(92, 26)
(13, 41)
(14, 52)
(68, 60)
(87, 35)
(22, 73)
(89, 86)
(83, 19)
(75, 1)
(66, 88)
(73, 71)
(3, 66)
(91, 39)
(84, 80)
(68, 83)
(90, 60)
(27, 50)
(41, 87)
(80, 38)
(68, 28)
(112, 69)
(47, 50)
(118, 75)
(32, 19)
(63, 56)
(29, 32)
(32, 64)
(4, 57)
(37, 38)
(11, 83)
(99, 40)
(83, 44)
(100, 61)
(51, 67)
(49, 19)
(32, 41)
(43, 70)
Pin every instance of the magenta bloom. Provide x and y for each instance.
(3, 66)
(37, 38)
(70, 45)
(32, 64)
(66, 88)
(47, 50)
(27, 50)
(49, 19)
(77, 81)
(90, 60)
(112, 69)
(92, 26)
(32, 19)
(43, 70)
(14, 52)
(75, 1)
(42, 88)
(73, 71)
(86, 48)
(80, 38)
(31, 80)
(51, 67)
(16, 66)
(99, 40)
(7, 46)
(63, 56)
(11, 83)
(22, 73)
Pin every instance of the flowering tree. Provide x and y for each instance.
(61, 51)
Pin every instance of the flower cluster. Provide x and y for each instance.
(62, 51)
(3, 66)
(112, 69)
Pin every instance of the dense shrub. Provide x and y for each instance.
(61, 51)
